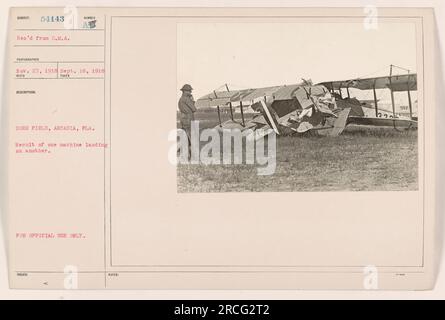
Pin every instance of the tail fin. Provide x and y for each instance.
(340, 123)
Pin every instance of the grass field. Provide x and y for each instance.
(359, 160)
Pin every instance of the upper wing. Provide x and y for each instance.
(396, 83)
(284, 92)
(220, 98)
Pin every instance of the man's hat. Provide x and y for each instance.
(187, 87)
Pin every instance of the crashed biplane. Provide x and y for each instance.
(320, 108)
(296, 108)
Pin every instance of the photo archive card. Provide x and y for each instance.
(220, 148)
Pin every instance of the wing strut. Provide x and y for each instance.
(393, 99)
(393, 102)
(410, 101)
(219, 116)
(230, 104)
(219, 110)
(231, 111)
(339, 90)
(376, 102)
(242, 113)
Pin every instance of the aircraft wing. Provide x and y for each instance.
(220, 98)
(397, 83)
(260, 93)
(284, 92)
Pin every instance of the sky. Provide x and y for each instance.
(252, 54)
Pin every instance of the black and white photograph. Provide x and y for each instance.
(297, 106)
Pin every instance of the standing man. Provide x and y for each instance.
(187, 110)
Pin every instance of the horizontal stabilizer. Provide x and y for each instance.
(340, 123)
